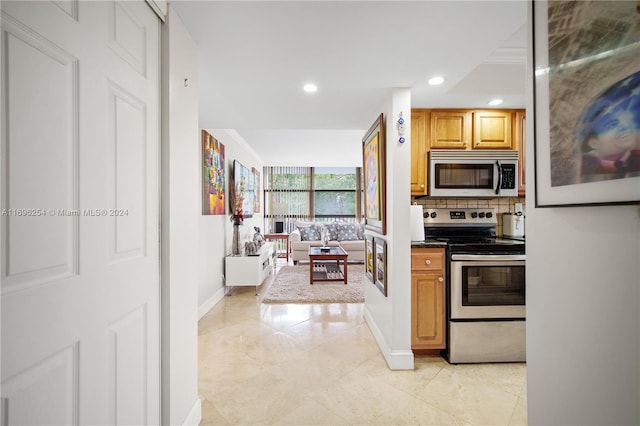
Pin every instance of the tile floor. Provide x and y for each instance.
(319, 365)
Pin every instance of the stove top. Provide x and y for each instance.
(468, 230)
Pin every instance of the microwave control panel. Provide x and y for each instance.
(508, 176)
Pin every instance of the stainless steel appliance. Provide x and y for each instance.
(480, 173)
(485, 286)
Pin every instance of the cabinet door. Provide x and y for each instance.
(428, 301)
(428, 310)
(450, 129)
(519, 142)
(492, 129)
(419, 152)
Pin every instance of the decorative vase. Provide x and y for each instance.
(236, 248)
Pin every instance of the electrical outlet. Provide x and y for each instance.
(518, 208)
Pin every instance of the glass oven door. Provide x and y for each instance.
(487, 286)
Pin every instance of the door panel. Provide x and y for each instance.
(80, 247)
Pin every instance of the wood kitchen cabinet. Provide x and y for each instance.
(462, 129)
(419, 120)
(519, 144)
(492, 129)
(471, 129)
(428, 298)
(450, 129)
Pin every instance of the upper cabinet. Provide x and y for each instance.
(519, 130)
(462, 129)
(419, 119)
(471, 129)
(450, 129)
(492, 129)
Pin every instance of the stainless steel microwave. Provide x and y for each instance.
(486, 173)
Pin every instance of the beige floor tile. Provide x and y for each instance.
(466, 394)
(308, 412)
(290, 364)
(211, 416)
(519, 417)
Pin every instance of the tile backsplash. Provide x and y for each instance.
(501, 204)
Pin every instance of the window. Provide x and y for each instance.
(308, 193)
(334, 192)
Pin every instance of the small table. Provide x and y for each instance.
(323, 254)
(284, 237)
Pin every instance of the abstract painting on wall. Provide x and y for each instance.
(213, 195)
(586, 102)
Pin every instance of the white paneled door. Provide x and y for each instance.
(80, 207)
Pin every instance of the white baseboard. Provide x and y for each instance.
(396, 359)
(210, 302)
(195, 414)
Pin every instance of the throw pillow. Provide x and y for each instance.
(333, 232)
(347, 231)
(309, 233)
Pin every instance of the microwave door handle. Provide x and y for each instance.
(499, 177)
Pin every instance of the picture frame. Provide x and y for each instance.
(579, 89)
(370, 258)
(256, 190)
(374, 172)
(380, 265)
(213, 176)
(242, 175)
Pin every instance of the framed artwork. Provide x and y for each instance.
(256, 190)
(380, 264)
(374, 165)
(243, 184)
(586, 103)
(369, 258)
(213, 195)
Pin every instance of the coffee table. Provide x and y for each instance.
(331, 272)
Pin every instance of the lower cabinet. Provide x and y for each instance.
(428, 298)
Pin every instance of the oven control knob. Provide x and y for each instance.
(481, 215)
(433, 215)
(474, 215)
(489, 214)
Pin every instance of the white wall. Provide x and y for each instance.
(180, 211)
(216, 232)
(389, 318)
(583, 310)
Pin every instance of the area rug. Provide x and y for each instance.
(291, 285)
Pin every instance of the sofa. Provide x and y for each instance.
(348, 235)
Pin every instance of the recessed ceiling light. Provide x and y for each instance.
(434, 81)
(496, 102)
(310, 88)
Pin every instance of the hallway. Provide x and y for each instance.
(319, 364)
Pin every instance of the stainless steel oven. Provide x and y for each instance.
(487, 308)
(486, 286)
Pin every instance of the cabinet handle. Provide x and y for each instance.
(428, 261)
(440, 279)
(465, 143)
(422, 185)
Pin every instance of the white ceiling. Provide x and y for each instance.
(256, 56)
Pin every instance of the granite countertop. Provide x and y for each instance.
(428, 243)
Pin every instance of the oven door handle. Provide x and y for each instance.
(488, 257)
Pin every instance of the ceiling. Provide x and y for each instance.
(255, 57)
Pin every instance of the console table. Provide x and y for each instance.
(250, 270)
(275, 237)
